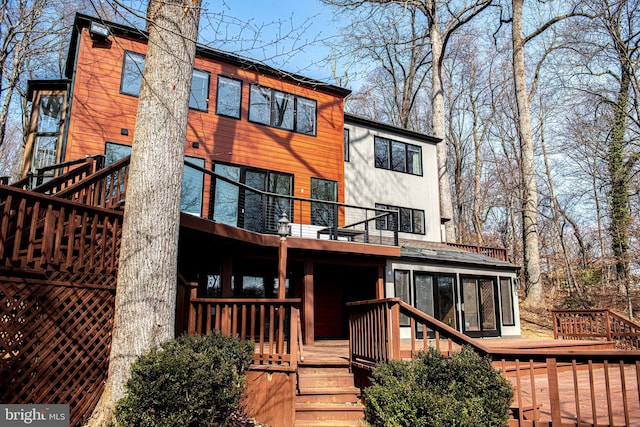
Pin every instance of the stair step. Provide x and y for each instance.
(329, 390)
(327, 398)
(330, 423)
(329, 411)
(335, 379)
(309, 370)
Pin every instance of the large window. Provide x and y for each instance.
(282, 110)
(192, 180)
(398, 156)
(47, 130)
(411, 220)
(229, 97)
(132, 67)
(324, 213)
(402, 289)
(251, 210)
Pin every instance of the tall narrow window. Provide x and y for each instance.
(229, 97)
(132, 73)
(47, 130)
(305, 116)
(506, 302)
(402, 288)
(199, 94)
(346, 145)
(323, 213)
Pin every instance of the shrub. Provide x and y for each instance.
(188, 381)
(433, 390)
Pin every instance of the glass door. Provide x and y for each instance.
(437, 301)
(480, 307)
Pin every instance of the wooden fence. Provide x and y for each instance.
(552, 387)
(596, 324)
(54, 343)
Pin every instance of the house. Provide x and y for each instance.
(361, 200)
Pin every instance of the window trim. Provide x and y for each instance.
(399, 208)
(239, 116)
(389, 163)
(295, 98)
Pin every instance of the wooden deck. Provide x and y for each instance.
(609, 412)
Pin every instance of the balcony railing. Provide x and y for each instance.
(242, 206)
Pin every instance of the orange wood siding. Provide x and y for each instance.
(100, 111)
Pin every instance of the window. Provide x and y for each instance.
(402, 290)
(132, 73)
(131, 82)
(192, 180)
(411, 220)
(324, 213)
(506, 302)
(397, 156)
(346, 145)
(50, 110)
(199, 95)
(248, 209)
(229, 97)
(282, 110)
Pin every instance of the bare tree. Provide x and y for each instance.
(442, 20)
(147, 274)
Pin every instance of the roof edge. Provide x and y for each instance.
(359, 120)
(83, 21)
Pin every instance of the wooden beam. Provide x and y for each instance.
(380, 282)
(308, 311)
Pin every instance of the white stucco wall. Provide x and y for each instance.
(366, 185)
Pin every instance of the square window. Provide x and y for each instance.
(199, 94)
(132, 67)
(229, 97)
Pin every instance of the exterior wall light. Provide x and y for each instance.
(99, 31)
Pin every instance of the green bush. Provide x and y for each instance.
(433, 390)
(188, 381)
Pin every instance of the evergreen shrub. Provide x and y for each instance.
(187, 382)
(437, 391)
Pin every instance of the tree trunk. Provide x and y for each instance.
(147, 276)
(531, 252)
(438, 122)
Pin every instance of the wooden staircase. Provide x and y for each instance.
(327, 395)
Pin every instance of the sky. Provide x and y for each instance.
(302, 29)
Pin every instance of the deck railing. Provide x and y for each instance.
(272, 324)
(596, 324)
(38, 230)
(53, 178)
(551, 387)
(497, 253)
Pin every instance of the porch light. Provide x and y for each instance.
(99, 31)
(283, 226)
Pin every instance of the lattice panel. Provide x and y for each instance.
(488, 307)
(54, 344)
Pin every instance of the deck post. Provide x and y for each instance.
(307, 311)
(193, 294)
(394, 331)
(554, 391)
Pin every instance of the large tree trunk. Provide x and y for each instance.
(438, 121)
(147, 275)
(529, 189)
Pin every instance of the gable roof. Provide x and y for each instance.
(84, 21)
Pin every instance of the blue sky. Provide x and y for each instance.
(305, 22)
